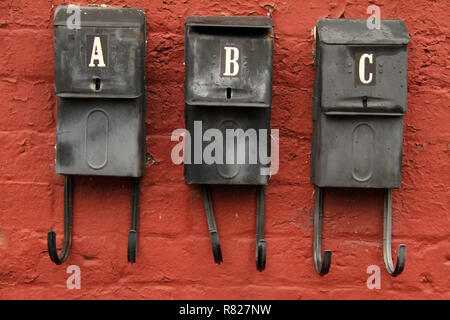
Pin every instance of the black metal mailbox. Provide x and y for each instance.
(100, 87)
(228, 87)
(359, 102)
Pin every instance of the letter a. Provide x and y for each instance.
(97, 53)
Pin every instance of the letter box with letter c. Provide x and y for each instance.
(228, 95)
(359, 102)
(100, 89)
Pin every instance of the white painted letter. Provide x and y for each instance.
(362, 68)
(229, 60)
(97, 53)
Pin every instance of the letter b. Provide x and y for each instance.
(231, 61)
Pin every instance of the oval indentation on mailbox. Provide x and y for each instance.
(97, 131)
(363, 144)
(228, 171)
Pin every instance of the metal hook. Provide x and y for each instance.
(51, 236)
(387, 239)
(132, 234)
(261, 245)
(213, 234)
(322, 266)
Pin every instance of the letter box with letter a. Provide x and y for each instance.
(359, 103)
(100, 88)
(228, 94)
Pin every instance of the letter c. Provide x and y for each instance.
(362, 68)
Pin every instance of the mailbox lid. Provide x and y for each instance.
(350, 54)
(230, 21)
(355, 31)
(119, 33)
(212, 44)
(101, 16)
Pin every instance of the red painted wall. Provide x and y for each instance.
(174, 257)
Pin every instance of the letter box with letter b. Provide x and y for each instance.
(359, 102)
(100, 88)
(228, 95)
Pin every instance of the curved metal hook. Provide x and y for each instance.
(51, 236)
(261, 251)
(322, 266)
(132, 234)
(213, 234)
(261, 245)
(215, 243)
(387, 239)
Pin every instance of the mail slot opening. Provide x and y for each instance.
(96, 84)
(364, 101)
(228, 93)
(231, 31)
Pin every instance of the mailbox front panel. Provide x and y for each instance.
(100, 85)
(222, 119)
(105, 52)
(359, 102)
(363, 79)
(100, 137)
(360, 152)
(228, 61)
(228, 86)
